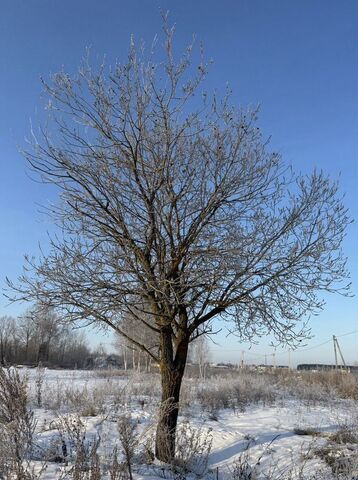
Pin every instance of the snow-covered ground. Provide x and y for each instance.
(276, 439)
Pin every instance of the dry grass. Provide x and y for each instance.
(108, 397)
(17, 424)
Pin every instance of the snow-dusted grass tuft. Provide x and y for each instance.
(236, 392)
(17, 423)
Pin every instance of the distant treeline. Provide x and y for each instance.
(41, 336)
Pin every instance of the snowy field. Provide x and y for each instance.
(237, 425)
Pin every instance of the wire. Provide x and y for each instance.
(345, 334)
(277, 354)
(254, 354)
(311, 348)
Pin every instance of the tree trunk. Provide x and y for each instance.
(172, 371)
(148, 363)
(43, 353)
(168, 415)
(139, 362)
(125, 359)
(2, 356)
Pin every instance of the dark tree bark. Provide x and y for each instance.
(172, 371)
(43, 353)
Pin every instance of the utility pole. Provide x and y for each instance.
(340, 353)
(338, 348)
(242, 358)
(274, 359)
(335, 352)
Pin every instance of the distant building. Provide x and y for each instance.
(322, 366)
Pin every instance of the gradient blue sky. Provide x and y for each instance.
(298, 59)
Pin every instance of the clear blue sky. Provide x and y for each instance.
(298, 59)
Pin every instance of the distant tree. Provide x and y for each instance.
(70, 349)
(100, 351)
(26, 334)
(201, 354)
(7, 326)
(172, 205)
(39, 335)
(45, 327)
(140, 326)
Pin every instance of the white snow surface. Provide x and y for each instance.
(264, 435)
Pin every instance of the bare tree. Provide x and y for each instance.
(143, 332)
(47, 329)
(26, 333)
(201, 354)
(171, 206)
(7, 326)
(39, 335)
(122, 345)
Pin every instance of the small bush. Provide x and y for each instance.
(236, 392)
(17, 424)
(344, 435)
(193, 447)
(127, 431)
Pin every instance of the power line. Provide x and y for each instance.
(301, 350)
(311, 348)
(324, 343)
(345, 334)
(254, 354)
